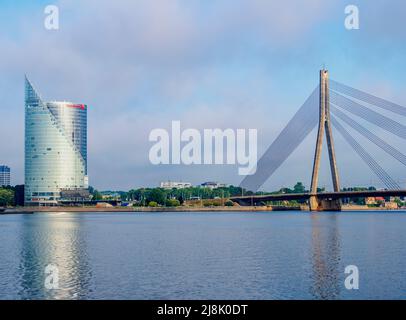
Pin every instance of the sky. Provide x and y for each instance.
(139, 65)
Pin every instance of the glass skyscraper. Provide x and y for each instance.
(55, 148)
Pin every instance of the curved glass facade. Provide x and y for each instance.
(55, 148)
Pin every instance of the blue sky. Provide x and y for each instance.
(228, 64)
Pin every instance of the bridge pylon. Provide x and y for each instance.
(324, 127)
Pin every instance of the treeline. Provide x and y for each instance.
(174, 197)
(159, 195)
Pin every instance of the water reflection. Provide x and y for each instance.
(58, 240)
(325, 256)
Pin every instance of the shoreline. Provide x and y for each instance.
(30, 210)
(24, 210)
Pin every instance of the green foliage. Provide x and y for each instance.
(6, 197)
(374, 205)
(144, 196)
(229, 203)
(137, 204)
(156, 195)
(159, 195)
(97, 195)
(172, 203)
(152, 204)
(299, 188)
(359, 201)
(399, 202)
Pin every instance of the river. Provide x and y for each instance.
(270, 255)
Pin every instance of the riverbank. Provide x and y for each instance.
(26, 210)
(366, 208)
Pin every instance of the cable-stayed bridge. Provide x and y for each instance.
(332, 104)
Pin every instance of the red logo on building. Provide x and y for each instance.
(78, 106)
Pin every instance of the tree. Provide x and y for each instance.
(172, 203)
(97, 195)
(124, 196)
(299, 188)
(180, 199)
(229, 203)
(6, 197)
(156, 195)
(399, 202)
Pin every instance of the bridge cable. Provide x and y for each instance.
(369, 135)
(366, 157)
(366, 97)
(382, 175)
(298, 128)
(371, 116)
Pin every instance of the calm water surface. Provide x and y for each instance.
(291, 255)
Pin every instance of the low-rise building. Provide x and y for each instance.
(175, 185)
(391, 205)
(213, 185)
(110, 195)
(74, 196)
(370, 201)
(380, 200)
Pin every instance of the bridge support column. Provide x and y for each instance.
(314, 203)
(317, 204)
(331, 205)
(324, 128)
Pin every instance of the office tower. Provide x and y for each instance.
(55, 148)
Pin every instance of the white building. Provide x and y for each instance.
(213, 185)
(176, 185)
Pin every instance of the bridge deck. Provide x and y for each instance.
(323, 195)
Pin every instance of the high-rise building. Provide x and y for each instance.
(55, 148)
(4, 176)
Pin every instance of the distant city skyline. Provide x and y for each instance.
(236, 64)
